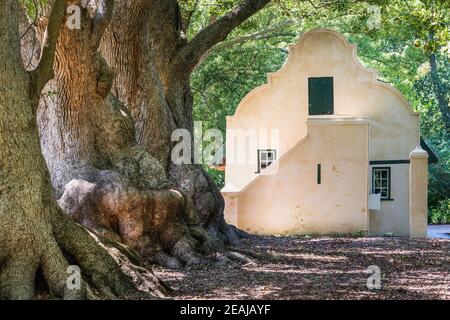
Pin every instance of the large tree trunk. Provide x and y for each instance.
(146, 47)
(34, 234)
(102, 177)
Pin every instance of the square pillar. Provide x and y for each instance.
(231, 197)
(418, 193)
(231, 209)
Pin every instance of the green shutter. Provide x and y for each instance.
(320, 95)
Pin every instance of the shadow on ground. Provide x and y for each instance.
(323, 268)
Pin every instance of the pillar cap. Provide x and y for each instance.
(418, 153)
(230, 190)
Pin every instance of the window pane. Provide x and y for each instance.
(266, 157)
(381, 182)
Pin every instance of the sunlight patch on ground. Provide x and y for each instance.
(323, 268)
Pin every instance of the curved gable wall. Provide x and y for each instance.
(282, 103)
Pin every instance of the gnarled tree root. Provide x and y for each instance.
(106, 273)
(158, 224)
(108, 269)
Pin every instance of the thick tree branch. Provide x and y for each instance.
(254, 36)
(44, 71)
(259, 35)
(219, 30)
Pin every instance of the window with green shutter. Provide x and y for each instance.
(320, 96)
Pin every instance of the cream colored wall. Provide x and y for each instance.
(282, 104)
(291, 201)
(393, 218)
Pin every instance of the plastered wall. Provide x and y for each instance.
(280, 108)
(292, 201)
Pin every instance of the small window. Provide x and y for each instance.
(381, 182)
(320, 96)
(265, 158)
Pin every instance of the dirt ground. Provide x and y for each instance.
(323, 268)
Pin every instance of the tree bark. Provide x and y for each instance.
(147, 48)
(34, 234)
(102, 177)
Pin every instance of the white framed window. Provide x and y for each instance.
(381, 182)
(265, 158)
